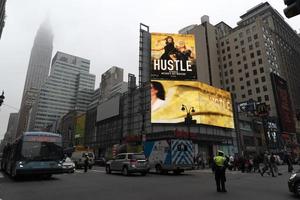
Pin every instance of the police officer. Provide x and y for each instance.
(86, 162)
(219, 167)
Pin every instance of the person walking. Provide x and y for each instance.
(86, 163)
(219, 167)
(288, 161)
(267, 165)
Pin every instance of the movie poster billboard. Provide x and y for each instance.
(173, 57)
(212, 106)
(283, 104)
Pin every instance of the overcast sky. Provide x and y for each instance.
(106, 32)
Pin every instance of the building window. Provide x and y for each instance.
(243, 96)
(241, 34)
(248, 83)
(223, 50)
(232, 79)
(257, 44)
(241, 79)
(254, 72)
(247, 75)
(252, 55)
(249, 92)
(235, 39)
(263, 79)
(258, 52)
(244, 58)
(236, 47)
(242, 42)
(226, 81)
(250, 47)
(229, 56)
(233, 88)
(230, 63)
(242, 87)
(266, 98)
(224, 58)
(256, 81)
(248, 31)
(265, 88)
(225, 66)
(227, 41)
(243, 50)
(240, 70)
(228, 89)
(257, 90)
(253, 64)
(255, 36)
(253, 28)
(261, 70)
(245, 66)
(222, 44)
(228, 48)
(239, 62)
(237, 55)
(249, 39)
(259, 99)
(231, 71)
(259, 61)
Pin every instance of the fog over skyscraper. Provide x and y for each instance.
(37, 72)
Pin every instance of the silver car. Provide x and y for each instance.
(128, 163)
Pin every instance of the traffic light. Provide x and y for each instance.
(292, 9)
(2, 97)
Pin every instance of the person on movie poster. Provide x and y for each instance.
(176, 62)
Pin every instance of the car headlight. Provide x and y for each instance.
(293, 176)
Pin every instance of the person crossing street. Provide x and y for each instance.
(219, 168)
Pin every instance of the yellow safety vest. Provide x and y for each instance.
(219, 161)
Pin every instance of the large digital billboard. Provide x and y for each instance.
(173, 57)
(283, 104)
(212, 106)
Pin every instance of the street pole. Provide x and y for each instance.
(188, 118)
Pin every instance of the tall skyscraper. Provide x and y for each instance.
(37, 72)
(2, 15)
(69, 87)
(244, 58)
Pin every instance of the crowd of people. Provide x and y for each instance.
(265, 163)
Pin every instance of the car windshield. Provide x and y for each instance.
(137, 156)
(41, 151)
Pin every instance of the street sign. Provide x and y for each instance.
(247, 106)
(262, 109)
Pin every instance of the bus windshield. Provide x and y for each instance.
(43, 151)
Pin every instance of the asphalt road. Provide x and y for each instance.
(190, 186)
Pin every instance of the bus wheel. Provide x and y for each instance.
(47, 176)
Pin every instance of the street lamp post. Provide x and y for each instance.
(189, 117)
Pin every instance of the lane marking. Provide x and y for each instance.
(94, 170)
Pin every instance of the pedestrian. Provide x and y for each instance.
(219, 168)
(86, 163)
(289, 163)
(267, 165)
(273, 163)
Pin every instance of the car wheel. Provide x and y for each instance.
(297, 189)
(125, 171)
(158, 169)
(143, 173)
(177, 172)
(107, 169)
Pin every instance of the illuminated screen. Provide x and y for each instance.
(212, 106)
(173, 57)
(42, 139)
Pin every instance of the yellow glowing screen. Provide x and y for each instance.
(212, 106)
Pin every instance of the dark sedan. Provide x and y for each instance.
(294, 184)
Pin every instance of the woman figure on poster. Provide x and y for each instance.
(170, 50)
(157, 95)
